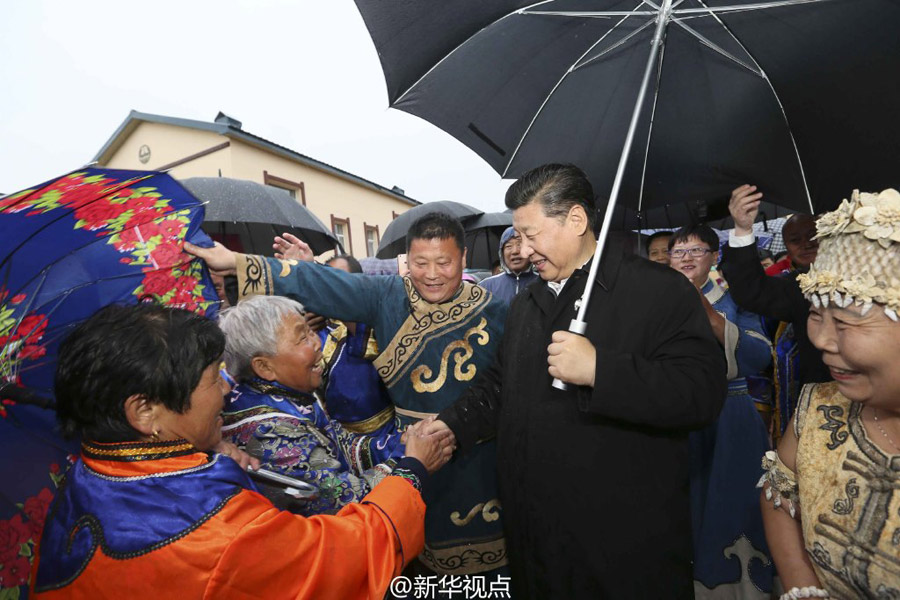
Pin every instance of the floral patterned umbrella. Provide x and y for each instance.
(85, 240)
(69, 247)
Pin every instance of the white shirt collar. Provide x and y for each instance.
(556, 287)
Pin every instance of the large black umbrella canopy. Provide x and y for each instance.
(251, 214)
(714, 213)
(483, 238)
(393, 240)
(795, 96)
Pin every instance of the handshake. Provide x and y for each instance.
(431, 442)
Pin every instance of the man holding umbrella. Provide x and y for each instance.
(593, 479)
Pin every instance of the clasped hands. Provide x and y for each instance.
(430, 441)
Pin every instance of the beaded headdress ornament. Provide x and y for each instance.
(859, 255)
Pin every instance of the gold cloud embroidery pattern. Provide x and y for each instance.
(461, 353)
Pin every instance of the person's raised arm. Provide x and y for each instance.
(322, 290)
(751, 288)
(289, 247)
(219, 259)
(744, 206)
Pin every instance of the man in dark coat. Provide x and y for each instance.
(594, 479)
(777, 298)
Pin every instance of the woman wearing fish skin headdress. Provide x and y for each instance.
(831, 497)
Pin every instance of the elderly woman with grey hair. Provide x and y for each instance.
(273, 414)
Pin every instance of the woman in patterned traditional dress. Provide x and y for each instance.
(831, 498)
(273, 415)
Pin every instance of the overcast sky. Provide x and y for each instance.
(301, 73)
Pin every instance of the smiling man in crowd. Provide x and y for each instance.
(516, 272)
(657, 247)
(437, 333)
(593, 479)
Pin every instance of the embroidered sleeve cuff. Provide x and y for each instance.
(412, 470)
(254, 276)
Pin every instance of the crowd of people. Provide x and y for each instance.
(724, 432)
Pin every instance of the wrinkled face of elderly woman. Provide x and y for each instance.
(297, 362)
(861, 352)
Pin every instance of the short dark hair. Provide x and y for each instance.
(437, 226)
(558, 188)
(702, 232)
(121, 351)
(354, 265)
(652, 237)
(797, 218)
(763, 254)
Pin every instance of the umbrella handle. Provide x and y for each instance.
(577, 326)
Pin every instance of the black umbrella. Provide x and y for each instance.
(795, 96)
(743, 90)
(246, 215)
(483, 238)
(672, 216)
(393, 241)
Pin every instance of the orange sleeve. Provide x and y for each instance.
(353, 554)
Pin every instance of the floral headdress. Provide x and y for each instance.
(859, 255)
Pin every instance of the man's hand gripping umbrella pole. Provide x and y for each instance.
(568, 358)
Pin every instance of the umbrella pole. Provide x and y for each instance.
(578, 324)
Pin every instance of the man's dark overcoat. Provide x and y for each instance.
(594, 482)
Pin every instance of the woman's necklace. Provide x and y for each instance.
(883, 432)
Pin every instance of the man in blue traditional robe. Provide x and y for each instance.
(437, 333)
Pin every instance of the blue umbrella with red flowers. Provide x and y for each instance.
(85, 240)
(68, 247)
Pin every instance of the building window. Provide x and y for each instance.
(296, 189)
(372, 239)
(341, 230)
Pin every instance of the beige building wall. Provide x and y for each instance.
(168, 144)
(329, 197)
(333, 199)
